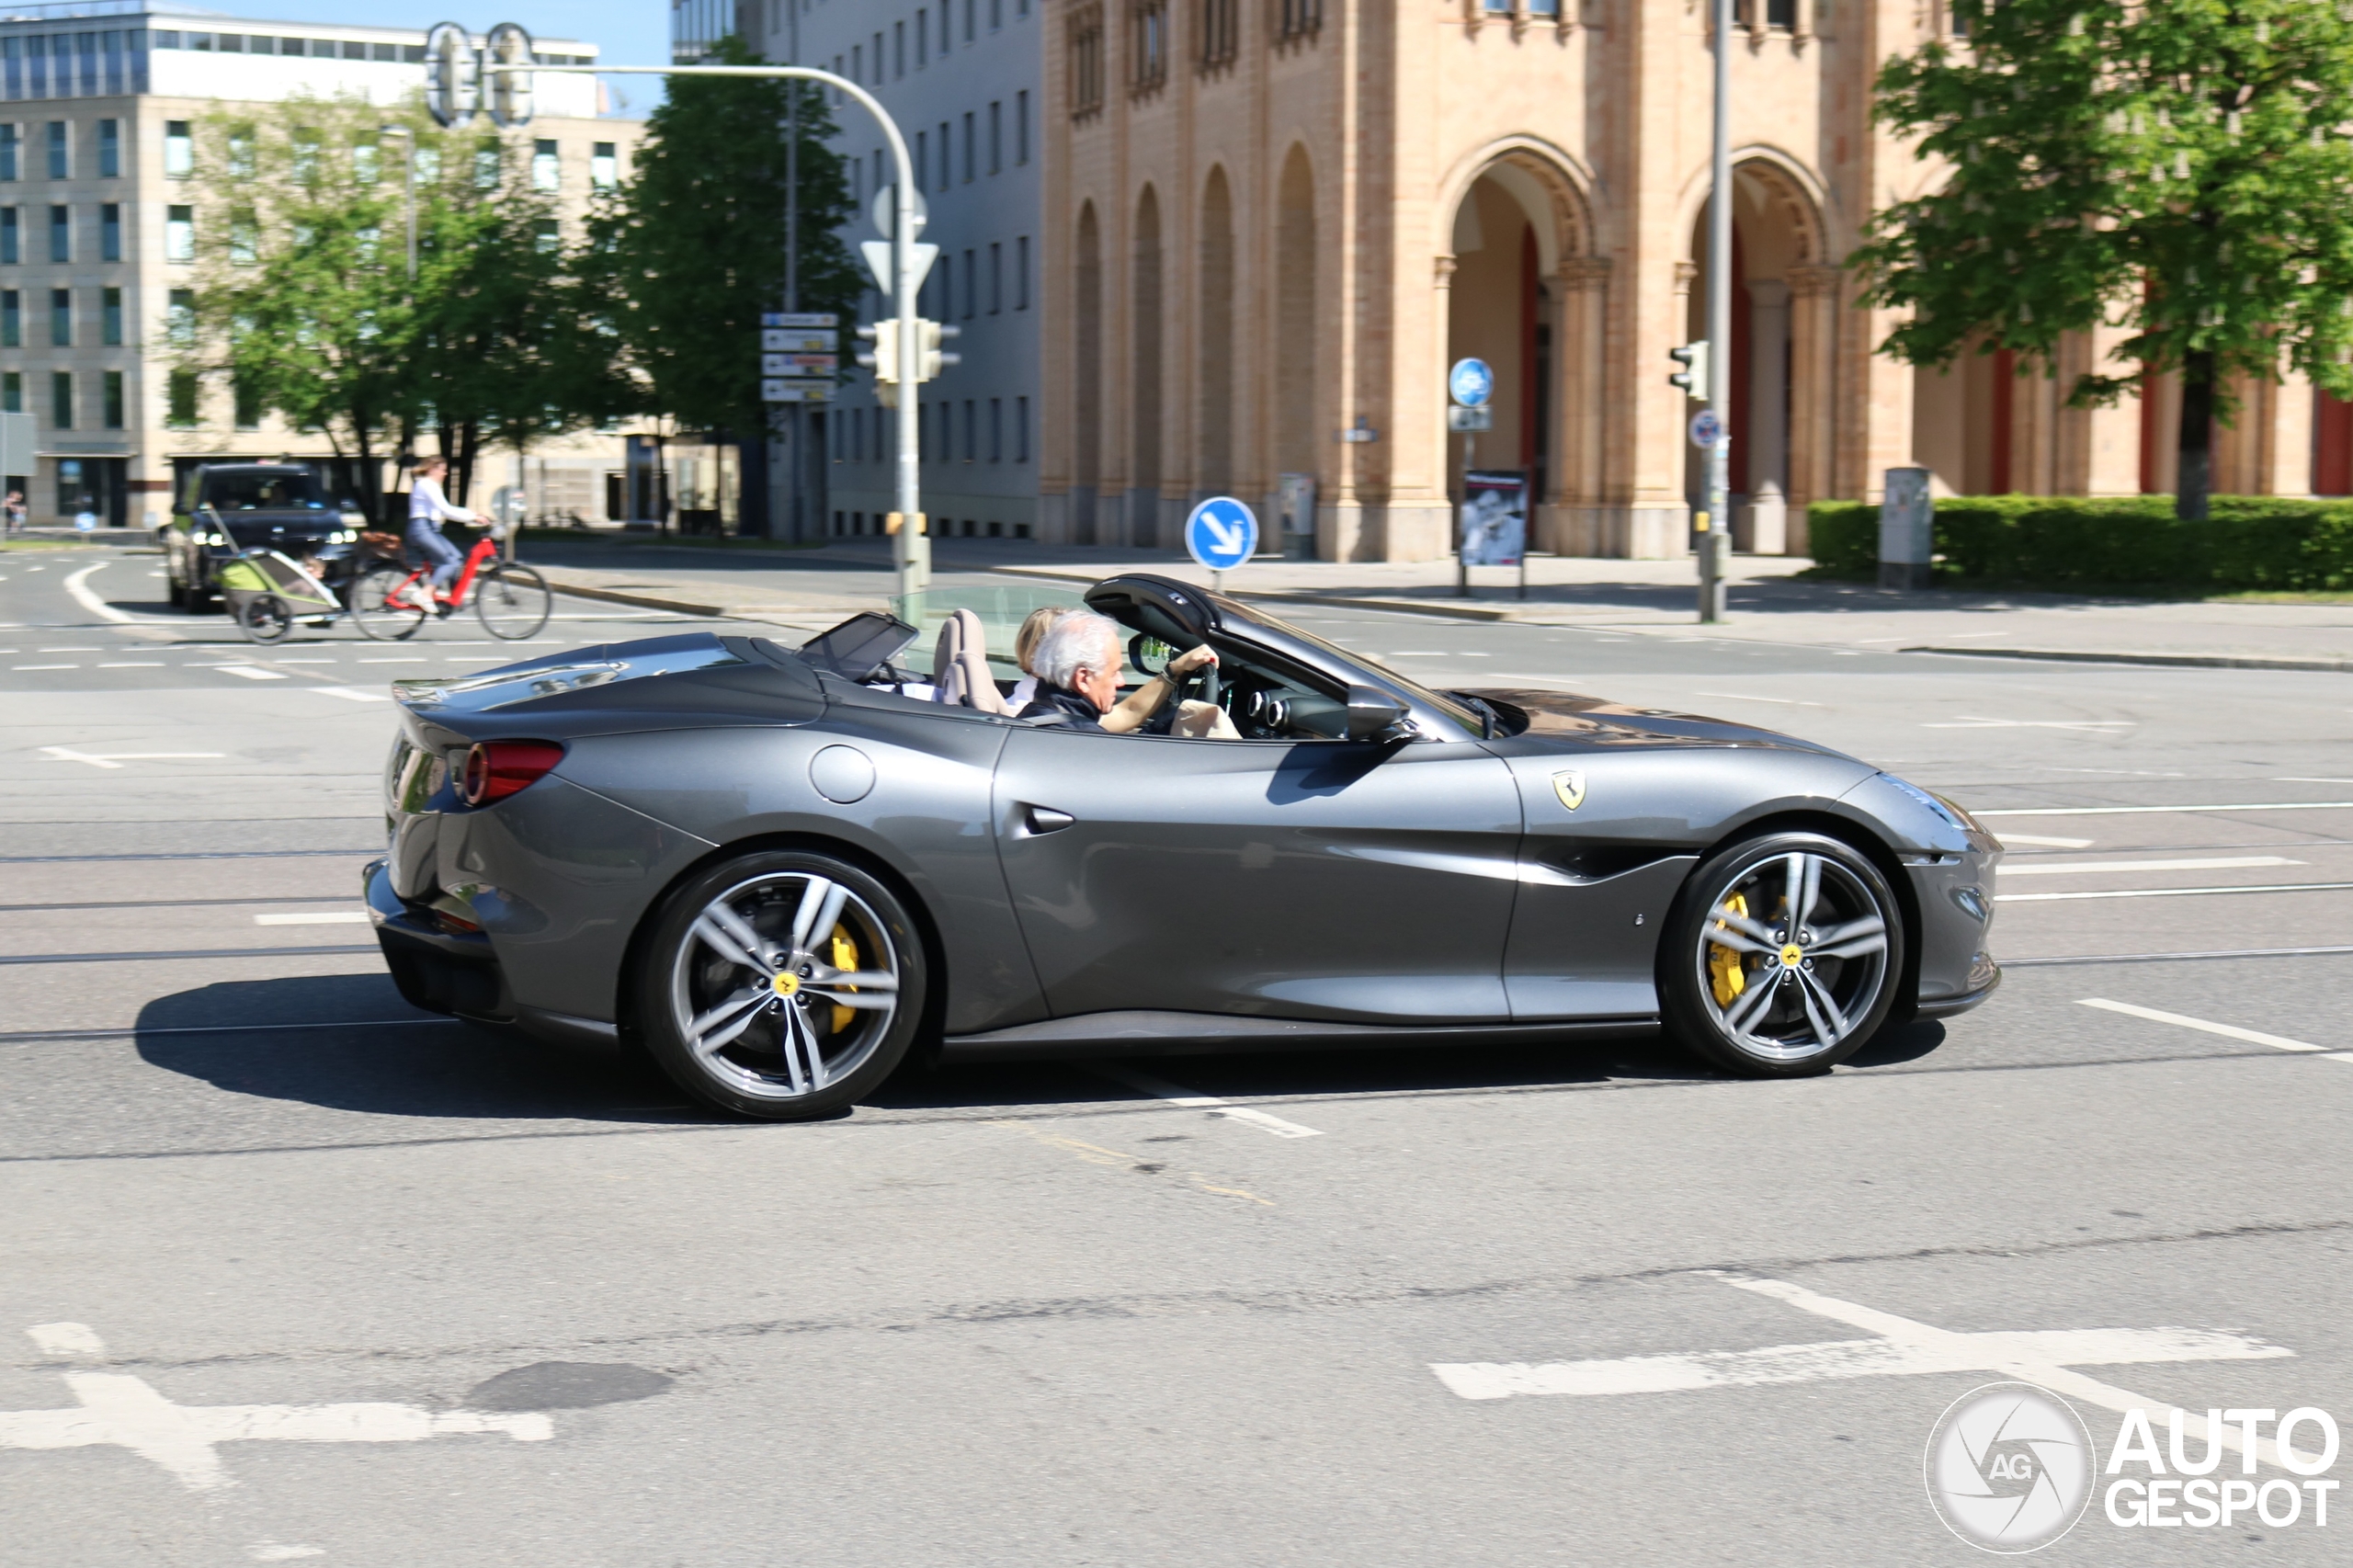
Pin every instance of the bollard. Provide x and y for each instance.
(1906, 528)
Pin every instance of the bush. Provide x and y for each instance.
(2249, 543)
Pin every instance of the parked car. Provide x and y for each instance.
(779, 870)
(224, 508)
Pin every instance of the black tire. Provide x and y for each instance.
(1728, 937)
(265, 619)
(770, 1050)
(512, 602)
(372, 610)
(174, 589)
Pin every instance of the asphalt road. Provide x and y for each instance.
(1041, 1314)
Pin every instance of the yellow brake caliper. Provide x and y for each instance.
(1727, 975)
(845, 959)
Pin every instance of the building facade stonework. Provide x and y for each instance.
(1270, 225)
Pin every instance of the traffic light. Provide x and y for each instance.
(1693, 378)
(883, 357)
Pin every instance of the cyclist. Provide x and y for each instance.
(427, 510)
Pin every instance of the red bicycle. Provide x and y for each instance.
(390, 601)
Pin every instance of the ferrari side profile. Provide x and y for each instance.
(778, 871)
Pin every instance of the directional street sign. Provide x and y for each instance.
(826, 319)
(1706, 429)
(801, 340)
(799, 364)
(1469, 420)
(778, 390)
(1470, 382)
(1222, 533)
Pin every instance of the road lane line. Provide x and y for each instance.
(2171, 893)
(249, 672)
(352, 694)
(1177, 1095)
(1902, 1345)
(117, 758)
(2148, 811)
(2228, 1031)
(336, 917)
(2081, 868)
(2180, 958)
(214, 953)
(20, 669)
(135, 665)
(76, 586)
(2038, 843)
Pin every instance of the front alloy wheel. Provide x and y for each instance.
(1781, 957)
(781, 985)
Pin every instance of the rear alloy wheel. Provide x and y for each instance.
(781, 985)
(1781, 956)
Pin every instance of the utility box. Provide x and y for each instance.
(16, 445)
(1906, 529)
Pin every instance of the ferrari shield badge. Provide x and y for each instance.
(1570, 786)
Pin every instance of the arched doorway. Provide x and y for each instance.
(1778, 366)
(1295, 451)
(1522, 296)
(1086, 380)
(1147, 309)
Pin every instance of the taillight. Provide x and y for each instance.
(495, 769)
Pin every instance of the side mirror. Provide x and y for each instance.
(1374, 715)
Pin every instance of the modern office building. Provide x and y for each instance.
(98, 138)
(964, 79)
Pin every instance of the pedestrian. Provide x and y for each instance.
(427, 510)
(14, 510)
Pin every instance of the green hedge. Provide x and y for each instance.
(2250, 542)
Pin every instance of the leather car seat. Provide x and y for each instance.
(960, 666)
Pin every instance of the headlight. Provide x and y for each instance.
(215, 541)
(1936, 803)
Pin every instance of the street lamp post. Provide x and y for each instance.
(911, 547)
(1716, 530)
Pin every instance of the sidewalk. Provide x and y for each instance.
(813, 588)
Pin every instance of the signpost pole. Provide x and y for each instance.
(1715, 524)
(1463, 521)
(911, 547)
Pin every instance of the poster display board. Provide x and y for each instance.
(1495, 517)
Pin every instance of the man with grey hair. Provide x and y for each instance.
(1077, 666)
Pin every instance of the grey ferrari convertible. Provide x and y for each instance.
(778, 871)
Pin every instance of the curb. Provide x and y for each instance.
(2172, 660)
(640, 601)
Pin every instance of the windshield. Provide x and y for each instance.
(1413, 691)
(248, 490)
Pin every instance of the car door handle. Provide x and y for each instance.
(1039, 819)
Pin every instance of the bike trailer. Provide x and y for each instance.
(258, 572)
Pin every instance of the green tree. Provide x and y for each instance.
(2180, 169)
(691, 249)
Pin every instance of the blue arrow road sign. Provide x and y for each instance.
(1222, 533)
(1470, 382)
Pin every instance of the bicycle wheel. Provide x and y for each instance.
(513, 602)
(265, 619)
(373, 607)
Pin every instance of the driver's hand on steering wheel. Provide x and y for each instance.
(1184, 664)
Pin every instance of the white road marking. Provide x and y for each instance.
(2229, 1031)
(117, 758)
(66, 1339)
(21, 668)
(306, 661)
(2046, 843)
(2072, 868)
(76, 586)
(135, 665)
(2298, 778)
(1776, 701)
(1902, 1347)
(2146, 811)
(69, 650)
(1178, 1095)
(2096, 726)
(350, 693)
(393, 661)
(249, 672)
(2171, 893)
(272, 1551)
(338, 918)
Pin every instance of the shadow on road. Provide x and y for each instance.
(385, 1058)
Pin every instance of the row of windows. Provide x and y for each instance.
(866, 435)
(13, 235)
(932, 31)
(64, 394)
(366, 159)
(943, 527)
(61, 315)
(1217, 30)
(55, 146)
(244, 236)
(314, 48)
